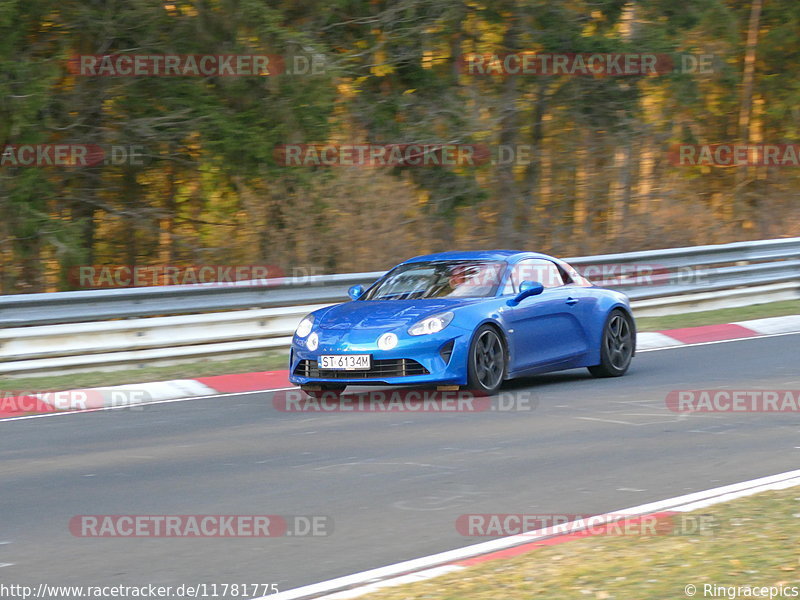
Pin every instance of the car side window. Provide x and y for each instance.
(533, 269)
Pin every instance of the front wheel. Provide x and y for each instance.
(487, 361)
(616, 346)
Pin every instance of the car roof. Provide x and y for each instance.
(511, 256)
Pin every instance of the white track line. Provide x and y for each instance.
(5, 564)
(367, 579)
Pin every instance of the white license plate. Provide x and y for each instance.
(346, 362)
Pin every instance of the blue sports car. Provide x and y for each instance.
(469, 319)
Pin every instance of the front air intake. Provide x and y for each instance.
(446, 351)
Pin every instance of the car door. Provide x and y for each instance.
(546, 328)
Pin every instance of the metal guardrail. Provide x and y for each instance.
(74, 307)
(751, 263)
(710, 280)
(133, 342)
(87, 330)
(758, 250)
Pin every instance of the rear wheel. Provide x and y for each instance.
(328, 390)
(487, 361)
(616, 346)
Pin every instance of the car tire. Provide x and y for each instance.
(617, 345)
(486, 366)
(328, 390)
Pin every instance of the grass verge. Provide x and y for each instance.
(754, 541)
(717, 317)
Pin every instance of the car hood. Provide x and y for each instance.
(385, 314)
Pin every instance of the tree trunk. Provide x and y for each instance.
(742, 211)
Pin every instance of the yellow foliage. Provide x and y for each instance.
(381, 68)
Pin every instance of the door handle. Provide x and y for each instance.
(572, 301)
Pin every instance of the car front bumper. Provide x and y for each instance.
(415, 360)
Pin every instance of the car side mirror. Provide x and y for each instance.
(355, 291)
(526, 288)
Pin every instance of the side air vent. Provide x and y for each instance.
(446, 351)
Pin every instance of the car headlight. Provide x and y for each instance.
(431, 324)
(304, 328)
(387, 341)
(312, 342)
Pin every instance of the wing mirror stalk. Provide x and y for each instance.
(526, 289)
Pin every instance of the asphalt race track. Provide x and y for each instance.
(393, 484)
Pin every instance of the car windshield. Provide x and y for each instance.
(439, 279)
